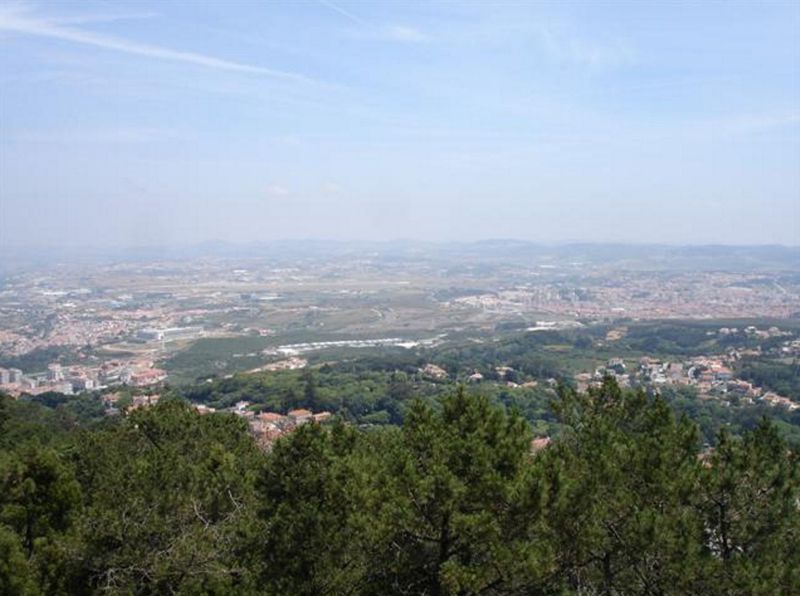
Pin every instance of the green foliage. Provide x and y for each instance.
(670, 338)
(446, 499)
(781, 377)
(711, 416)
(27, 422)
(38, 495)
(377, 388)
(750, 505)
(4, 415)
(37, 360)
(311, 488)
(357, 396)
(16, 578)
(47, 419)
(622, 485)
(210, 356)
(73, 410)
(165, 495)
(310, 399)
(454, 501)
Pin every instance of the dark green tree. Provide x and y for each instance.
(751, 506)
(446, 502)
(4, 416)
(622, 483)
(310, 398)
(38, 495)
(309, 491)
(167, 496)
(16, 576)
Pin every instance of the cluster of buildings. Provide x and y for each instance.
(122, 306)
(434, 372)
(712, 376)
(57, 378)
(76, 379)
(641, 295)
(111, 402)
(65, 329)
(267, 427)
(292, 363)
(787, 347)
(9, 376)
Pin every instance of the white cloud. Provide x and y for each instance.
(15, 19)
(276, 190)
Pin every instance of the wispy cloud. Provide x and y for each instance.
(391, 34)
(346, 14)
(101, 18)
(19, 20)
(569, 47)
(117, 135)
(398, 33)
(559, 39)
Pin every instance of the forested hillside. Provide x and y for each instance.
(458, 499)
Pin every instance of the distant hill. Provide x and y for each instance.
(628, 256)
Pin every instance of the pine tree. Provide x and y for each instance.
(751, 507)
(621, 485)
(166, 495)
(308, 494)
(446, 498)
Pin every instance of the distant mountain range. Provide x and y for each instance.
(633, 256)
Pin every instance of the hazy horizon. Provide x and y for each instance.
(288, 241)
(146, 124)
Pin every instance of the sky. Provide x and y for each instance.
(171, 123)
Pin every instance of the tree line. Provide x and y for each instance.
(455, 500)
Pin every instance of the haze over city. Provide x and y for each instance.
(148, 123)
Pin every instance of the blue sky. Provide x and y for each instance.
(136, 123)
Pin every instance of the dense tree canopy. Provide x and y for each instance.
(454, 501)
